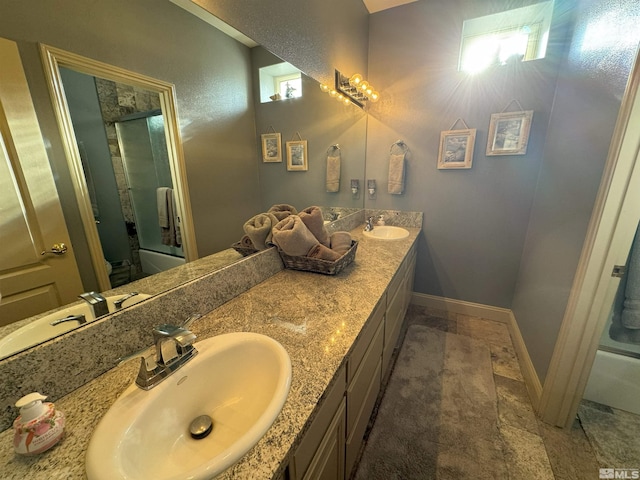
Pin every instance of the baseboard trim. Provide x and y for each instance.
(497, 314)
(531, 379)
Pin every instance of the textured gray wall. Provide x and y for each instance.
(321, 121)
(588, 96)
(475, 221)
(211, 73)
(317, 36)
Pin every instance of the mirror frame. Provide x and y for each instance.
(52, 59)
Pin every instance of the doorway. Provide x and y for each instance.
(606, 250)
(139, 96)
(120, 137)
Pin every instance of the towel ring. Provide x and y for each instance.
(401, 145)
(333, 148)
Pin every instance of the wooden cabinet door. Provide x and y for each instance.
(31, 219)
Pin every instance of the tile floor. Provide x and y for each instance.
(531, 449)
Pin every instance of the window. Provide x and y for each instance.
(289, 86)
(280, 82)
(515, 35)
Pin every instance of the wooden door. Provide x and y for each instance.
(31, 219)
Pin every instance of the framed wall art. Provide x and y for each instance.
(509, 133)
(297, 156)
(456, 148)
(271, 147)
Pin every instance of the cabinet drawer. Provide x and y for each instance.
(316, 432)
(328, 462)
(395, 312)
(354, 438)
(359, 386)
(364, 340)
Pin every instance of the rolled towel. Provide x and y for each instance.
(258, 229)
(340, 242)
(333, 174)
(282, 211)
(246, 242)
(396, 174)
(323, 253)
(312, 218)
(293, 237)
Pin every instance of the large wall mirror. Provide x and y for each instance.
(218, 120)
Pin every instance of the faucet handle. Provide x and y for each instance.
(144, 353)
(118, 303)
(190, 319)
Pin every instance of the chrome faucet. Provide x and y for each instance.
(71, 318)
(173, 347)
(368, 224)
(97, 302)
(118, 303)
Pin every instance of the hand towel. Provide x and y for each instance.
(333, 174)
(170, 235)
(259, 229)
(396, 174)
(312, 218)
(323, 253)
(340, 242)
(282, 211)
(293, 237)
(163, 207)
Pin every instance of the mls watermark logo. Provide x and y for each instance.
(622, 473)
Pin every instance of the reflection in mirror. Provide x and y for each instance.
(322, 121)
(119, 132)
(103, 113)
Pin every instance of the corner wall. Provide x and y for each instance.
(588, 96)
(317, 36)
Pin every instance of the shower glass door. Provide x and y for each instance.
(146, 168)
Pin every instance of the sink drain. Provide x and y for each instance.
(201, 427)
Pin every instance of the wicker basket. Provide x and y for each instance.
(317, 265)
(245, 251)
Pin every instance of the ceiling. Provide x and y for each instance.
(378, 5)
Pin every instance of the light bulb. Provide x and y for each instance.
(332, 93)
(324, 88)
(346, 101)
(363, 86)
(355, 79)
(369, 90)
(374, 97)
(339, 97)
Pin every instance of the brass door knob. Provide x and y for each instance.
(57, 249)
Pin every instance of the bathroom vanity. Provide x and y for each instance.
(340, 333)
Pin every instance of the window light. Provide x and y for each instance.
(515, 35)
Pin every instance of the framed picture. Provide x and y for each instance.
(509, 133)
(297, 156)
(456, 148)
(271, 147)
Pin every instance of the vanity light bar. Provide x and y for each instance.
(352, 89)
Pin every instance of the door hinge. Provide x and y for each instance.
(618, 271)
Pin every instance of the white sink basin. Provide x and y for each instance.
(240, 380)
(387, 232)
(41, 330)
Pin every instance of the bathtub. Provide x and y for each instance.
(615, 381)
(154, 262)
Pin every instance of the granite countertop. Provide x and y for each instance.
(315, 317)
